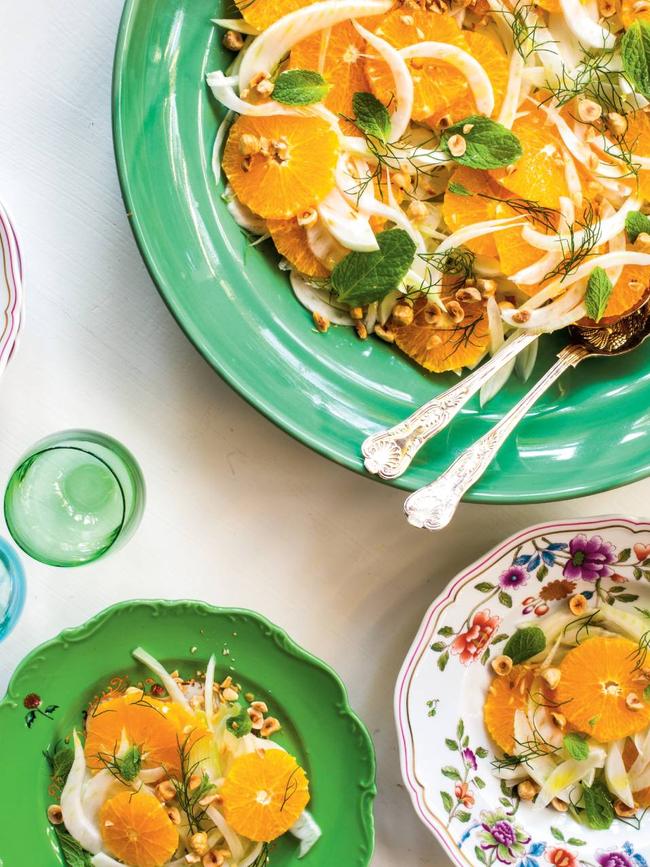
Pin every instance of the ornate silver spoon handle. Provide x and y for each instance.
(389, 453)
(433, 506)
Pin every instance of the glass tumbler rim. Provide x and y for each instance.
(14, 567)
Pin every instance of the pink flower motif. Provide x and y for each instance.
(560, 857)
(469, 645)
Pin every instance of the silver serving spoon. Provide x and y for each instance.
(433, 506)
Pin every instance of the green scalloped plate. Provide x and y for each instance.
(330, 391)
(319, 727)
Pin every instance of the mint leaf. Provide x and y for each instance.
(60, 759)
(458, 189)
(371, 115)
(599, 290)
(524, 644)
(240, 723)
(598, 806)
(300, 87)
(73, 854)
(362, 278)
(635, 52)
(576, 746)
(490, 145)
(130, 763)
(635, 224)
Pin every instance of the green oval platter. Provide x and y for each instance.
(319, 727)
(588, 434)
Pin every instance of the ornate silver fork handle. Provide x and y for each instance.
(389, 453)
(433, 506)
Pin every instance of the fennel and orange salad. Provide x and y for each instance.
(443, 173)
(568, 709)
(174, 772)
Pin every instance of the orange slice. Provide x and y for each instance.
(437, 85)
(597, 677)
(506, 696)
(295, 174)
(637, 140)
(629, 15)
(539, 174)
(490, 54)
(443, 349)
(290, 240)
(155, 726)
(136, 829)
(343, 66)
(263, 13)
(264, 794)
(631, 289)
(514, 252)
(460, 211)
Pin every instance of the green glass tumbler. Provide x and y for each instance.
(75, 496)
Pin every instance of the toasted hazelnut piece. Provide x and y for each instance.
(467, 128)
(362, 331)
(633, 702)
(210, 799)
(521, 316)
(435, 318)
(55, 814)
(270, 727)
(623, 811)
(552, 676)
(616, 123)
(192, 858)
(578, 604)
(401, 180)
(641, 6)
(384, 333)
(487, 286)
(402, 314)
(321, 322)
(559, 805)
(213, 859)
(457, 145)
(165, 791)
(527, 790)
(559, 719)
(455, 311)
(356, 312)
(194, 782)
(642, 242)
(232, 40)
(250, 697)
(174, 815)
(260, 706)
(468, 295)
(230, 694)
(502, 665)
(246, 164)
(256, 718)
(589, 111)
(308, 218)
(249, 144)
(607, 8)
(445, 121)
(199, 843)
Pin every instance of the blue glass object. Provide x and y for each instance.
(12, 588)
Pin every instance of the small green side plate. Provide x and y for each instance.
(587, 434)
(319, 727)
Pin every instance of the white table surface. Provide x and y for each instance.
(238, 513)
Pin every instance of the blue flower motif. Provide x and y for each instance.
(537, 849)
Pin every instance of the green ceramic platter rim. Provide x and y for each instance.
(588, 434)
(319, 727)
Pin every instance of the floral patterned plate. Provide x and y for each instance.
(11, 288)
(445, 750)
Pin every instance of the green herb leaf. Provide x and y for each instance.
(635, 52)
(598, 807)
(362, 278)
(240, 723)
(458, 189)
(60, 759)
(524, 644)
(371, 115)
(599, 290)
(490, 145)
(635, 224)
(130, 763)
(74, 855)
(576, 746)
(300, 87)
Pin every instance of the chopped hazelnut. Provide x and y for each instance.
(321, 322)
(502, 665)
(616, 123)
(457, 145)
(633, 702)
(559, 805)
(55, 814)
(307, 218)
(199, 843)
(559, 719)
(165, 791)
(455, 311)
(527, 790)
(271, 724)
(249, 144)
(174, 815)
(623, 811)
(402, 314)
(233, 41)
(589, 111)
(468, 295)
(356, 312)
(230, 694)
(487, 286)
(552, 676)
(578, 604)
(521, 317)
(362, 331)
(384, 333)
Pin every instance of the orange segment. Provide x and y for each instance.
(443, 349)
(263, 13)
(637, 140)
(490, 54)
(290, 240)
(629, 15)
(514, 252)
(630, 290)
(294, 173)
(460, 211)
(597, 677)
(136, 829)
(539, 173)
(506, 696)
(264, 794)
(343, 67)
(155, 726)
(436, 84)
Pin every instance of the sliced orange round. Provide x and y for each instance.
(539, 173)
(506, 695)
(263, 13)
(490, 54)
(514, 253)
(436, 84)
(598, 676)
(631, 289)
(449, 348)
(343, 67)
(295, 169)
(290, 240)
(264, 794)
(629, 15)
(637, 141)
(549, 5)
(460, 211)
(136, 829)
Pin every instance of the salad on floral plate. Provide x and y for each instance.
(540, 756)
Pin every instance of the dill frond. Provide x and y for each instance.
(526, 36)
(574, 251)
(188, 794)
